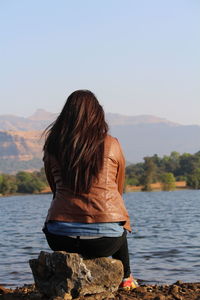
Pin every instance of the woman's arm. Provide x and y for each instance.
(121, 169)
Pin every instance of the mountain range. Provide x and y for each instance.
(140, 136)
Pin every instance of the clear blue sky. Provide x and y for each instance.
(137, 56)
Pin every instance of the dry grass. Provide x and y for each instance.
(156, 186)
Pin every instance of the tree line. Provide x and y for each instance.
(167, 170)
(23, 182)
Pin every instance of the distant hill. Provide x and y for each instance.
(20, 145)
(142, 140)
(38, 121)
(117, 119)
(20, 150)
(41, 119)
(43, 115)
(144, 135)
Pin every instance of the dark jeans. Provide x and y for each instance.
(116, 247)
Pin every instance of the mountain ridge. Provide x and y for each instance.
(41, 118)
(140, 136)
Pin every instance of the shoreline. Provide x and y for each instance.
(176, 291)
(156, 187)
(25, 194)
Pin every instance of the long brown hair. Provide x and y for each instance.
(76, 139)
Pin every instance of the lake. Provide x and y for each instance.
(164, 246)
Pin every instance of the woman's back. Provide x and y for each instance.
(104, 201)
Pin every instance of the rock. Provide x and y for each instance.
(179, 282)
(160, 297)
(3, 290)
(142, 289)
(153, 292)
(65, 297)
(60, 274)
(175, 289)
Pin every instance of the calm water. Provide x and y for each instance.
(164, 245)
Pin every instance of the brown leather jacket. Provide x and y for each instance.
(103, 203)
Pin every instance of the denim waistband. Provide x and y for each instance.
(86, 237)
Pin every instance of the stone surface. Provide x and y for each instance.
(3, 290)
(59, 274)
(187, 291)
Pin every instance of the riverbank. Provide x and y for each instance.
(43, 192)
(176, 291)
(158, 186)
(179, 185)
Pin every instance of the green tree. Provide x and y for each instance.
(187, 164)
(28, 183)
(1, 179)
(193, 180)
(41, 176)
(183, 167)
(149, 173)
(131, 180)
(8, 184)
(134, 173)
(168, 182)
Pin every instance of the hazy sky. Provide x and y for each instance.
(137, 56)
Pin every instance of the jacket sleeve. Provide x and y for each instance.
(121, 169)
(48, 173)
(121, 179)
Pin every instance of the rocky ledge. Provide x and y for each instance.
(65, 276)
(176, 291)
